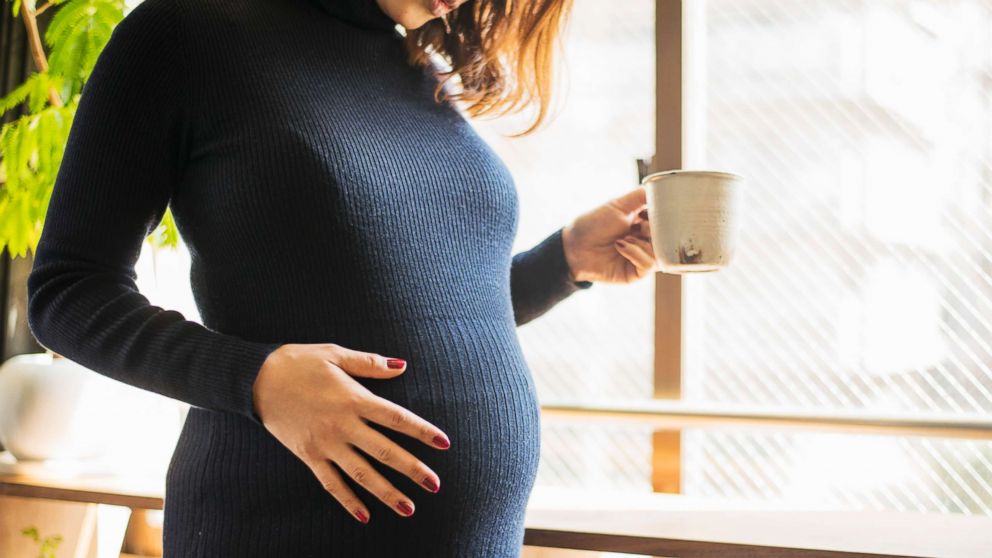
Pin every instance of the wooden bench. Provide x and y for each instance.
(642, 523)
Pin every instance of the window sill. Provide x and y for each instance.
(667, 524)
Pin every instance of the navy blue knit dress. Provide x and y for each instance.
(324, 197)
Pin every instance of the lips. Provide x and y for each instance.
(441, 7)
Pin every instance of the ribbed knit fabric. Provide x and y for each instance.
(324, 197)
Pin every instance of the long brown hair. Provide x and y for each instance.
(501, 51)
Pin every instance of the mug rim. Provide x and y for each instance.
(660, 174)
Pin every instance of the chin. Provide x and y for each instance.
(415, 21)
(415, 14)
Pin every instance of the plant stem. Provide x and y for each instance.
(43, 8)
(29, 15)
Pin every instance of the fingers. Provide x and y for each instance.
(377, 445)
(356, 467)
(385, 412)
(631, 201)
(638, 251)
(368, 365)
(642, 229)
(332, 482)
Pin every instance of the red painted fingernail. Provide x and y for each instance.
(361, 516)
(430, 484)
(395, 363)
(441, 441)
(404, 507)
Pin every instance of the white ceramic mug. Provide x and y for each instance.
(694, 218)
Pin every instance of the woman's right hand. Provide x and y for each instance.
(306, 397)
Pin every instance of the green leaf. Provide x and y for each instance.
(17, 96)
(166, 234)
(30, 532)
(39, 92)
(45, 131)
(11, 154)
(63, 21)
(32, 146)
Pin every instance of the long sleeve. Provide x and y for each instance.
(539, 279)
(124, 156)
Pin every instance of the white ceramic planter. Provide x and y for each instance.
(54, 408)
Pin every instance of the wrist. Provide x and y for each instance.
(260, 386)
(575, 274)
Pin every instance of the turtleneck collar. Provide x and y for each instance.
(366, 14)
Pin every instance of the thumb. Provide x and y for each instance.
(631, 201)
(367, 365)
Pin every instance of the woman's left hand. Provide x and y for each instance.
(611, 243)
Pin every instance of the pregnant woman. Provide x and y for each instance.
(356, 386)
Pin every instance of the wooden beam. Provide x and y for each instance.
(666, 454)
(666, 463)
(668, 155)
(677, 415)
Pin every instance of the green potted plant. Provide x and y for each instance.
(40, 393)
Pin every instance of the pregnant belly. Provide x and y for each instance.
(468, 377)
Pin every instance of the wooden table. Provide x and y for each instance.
(646, 523)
